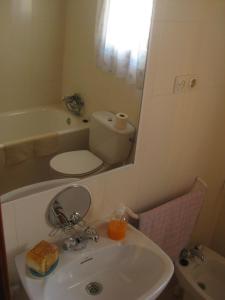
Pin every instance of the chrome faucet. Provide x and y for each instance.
(80, 239)
(74, 103)
(196, 251)
(82, 233)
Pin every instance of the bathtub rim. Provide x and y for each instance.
(55, 107)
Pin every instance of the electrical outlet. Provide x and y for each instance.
(180, 84)
(184, 83)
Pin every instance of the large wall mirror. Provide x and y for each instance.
(71, 81)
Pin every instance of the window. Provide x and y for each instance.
(122, 37)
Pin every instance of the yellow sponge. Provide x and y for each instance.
(42, 259)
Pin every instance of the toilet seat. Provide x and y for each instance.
(78, 163)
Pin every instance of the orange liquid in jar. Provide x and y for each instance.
(117, 230)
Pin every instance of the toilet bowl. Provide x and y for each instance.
(108, 147)
(203, 279)
(77, 163)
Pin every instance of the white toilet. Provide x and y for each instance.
(108, 146)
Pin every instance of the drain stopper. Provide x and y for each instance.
(94, 288)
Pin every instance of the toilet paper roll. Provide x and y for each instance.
(121, 121)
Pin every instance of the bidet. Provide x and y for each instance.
(203, 279)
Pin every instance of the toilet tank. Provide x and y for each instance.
(108, 143)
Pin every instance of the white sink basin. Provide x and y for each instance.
(133, 269)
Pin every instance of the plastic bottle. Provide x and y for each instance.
(117, 226)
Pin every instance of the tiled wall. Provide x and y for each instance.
(31, 34)
(181, 136)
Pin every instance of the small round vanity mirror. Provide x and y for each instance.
(69, 207)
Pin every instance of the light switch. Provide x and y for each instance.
(192, 82)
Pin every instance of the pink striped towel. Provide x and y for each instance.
(170, 225)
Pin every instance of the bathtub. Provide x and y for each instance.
(30, 138)
(31, 123)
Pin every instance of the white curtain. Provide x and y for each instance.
(122, 31)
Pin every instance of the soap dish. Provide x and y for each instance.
(39, 275)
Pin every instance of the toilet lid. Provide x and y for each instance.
(76, 162)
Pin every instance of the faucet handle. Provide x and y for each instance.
(92, 234)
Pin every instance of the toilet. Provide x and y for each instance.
(108, 146)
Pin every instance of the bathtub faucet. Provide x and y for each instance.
(74, 103)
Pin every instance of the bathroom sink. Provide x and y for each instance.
(133, 269)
